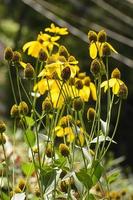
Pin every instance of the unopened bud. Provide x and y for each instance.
(77, 104)
(29, 71)
(116, 73)
(2, 126)
(91, 114)
(48, 151)
(106, 51)
(64, 150)
(22, 184)
(42, 55)
(8, 54)
(16, 56)
(95, 67)
(79, 84)
(66, 121)
(46, 105)
(14, 112)
(102, 36)
(123, 91)
(66, 73)
(92, 36)
(23, 108)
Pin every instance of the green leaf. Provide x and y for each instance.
(30, 121)
(30, 137)
(61, 162)
(28, 168)
(112, 177)
(85, 178)
(97, 171)
(4, 196)
(47, 175)
(90, 197)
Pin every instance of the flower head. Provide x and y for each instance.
(57, 30)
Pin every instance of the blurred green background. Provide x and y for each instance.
(22, 20)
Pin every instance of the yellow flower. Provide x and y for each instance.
(97, 45)
(113, 83)
(62, 132)
(44, 42)
(57, 63)
(88, 89)
(96, 48)
(56, 30)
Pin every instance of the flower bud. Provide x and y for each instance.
(49, 151)
(14, 112)
(16, 56)
(66, 73)
(116, 73)
(64, 186)
(66, 121)
(47, 105)
(42, 55)
(23, 108)
(79, 84)
(64, 150)
(91, 114)
(29, 71)
(95, 67)
(106, 51)
(92, 36)
(22, 184)
(71, 81)
(8, 54)
(2, 139)
(77, 104)
(102, 36)
(123, 91)
(63, 52)
(2, 126)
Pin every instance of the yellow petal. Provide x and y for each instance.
(85, 93)
(93, 91)
(28, 44)
(93, 50)
(115, 88)
(110, 46)
(23, 64)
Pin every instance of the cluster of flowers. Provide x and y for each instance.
(65, 153)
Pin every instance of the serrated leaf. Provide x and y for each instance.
(30, 137)
(28, 168)
(85, 178)
(30, 121)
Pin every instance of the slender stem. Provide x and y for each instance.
(116, 125)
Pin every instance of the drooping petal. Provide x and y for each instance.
(93, 50)
(93, 91)
(110, 46)
(27, 45)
